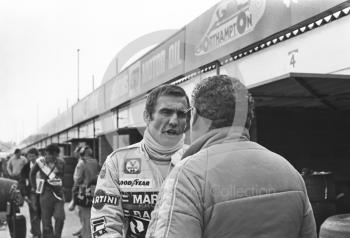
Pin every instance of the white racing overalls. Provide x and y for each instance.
(126, 193)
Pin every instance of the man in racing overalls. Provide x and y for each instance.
(49, 186)
(131, 177)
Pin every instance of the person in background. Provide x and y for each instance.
(130, 178)
(14, 168)
(49, 186)
(4, 166)
(72, 204)
(85, 177)
(3, 169)
(1, 166)
(32, 196)
(41, 152)
(227, 185)
(15, 165)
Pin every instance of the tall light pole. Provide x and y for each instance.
(78, 50)
(37, 117)
(22, 130)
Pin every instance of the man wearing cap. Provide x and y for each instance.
(226, 185)
(130, 178)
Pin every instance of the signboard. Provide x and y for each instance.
(86, 130)
(117, 90)
(82, 131)
(232, 25)
(80, 111)
(136, 114)
(164, 62)
(95, 103)
(90, 130)
(302, 10)
(98, 126)
(134, 79)
(73, 133)
(123, 117)
(106, 123)
(90, 106)
(63, 120)
(62, 137)
(54, 139)
(299, 54)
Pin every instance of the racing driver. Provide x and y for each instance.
(131, 177)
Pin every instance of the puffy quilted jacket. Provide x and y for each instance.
(233, 188)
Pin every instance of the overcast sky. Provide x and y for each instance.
(38, 50)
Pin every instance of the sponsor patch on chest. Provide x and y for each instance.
(132, 166)
(139, 198)
(135, 183)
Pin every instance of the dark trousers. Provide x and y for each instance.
(51, 207)
(21, 184)
(34, 213)
(85, 215)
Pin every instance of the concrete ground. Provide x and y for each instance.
(71, 223)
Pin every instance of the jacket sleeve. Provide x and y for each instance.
(308, 227)
(107, 217)
(9, 167)
(78, 176)
(32, 176)
(25, 178)
(179, 209)
(78, 173)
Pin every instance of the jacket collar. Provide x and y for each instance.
(217, 136)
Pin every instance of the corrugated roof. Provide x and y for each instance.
(323, 91)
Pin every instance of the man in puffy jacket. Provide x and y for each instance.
(226, 185)
(130, 178)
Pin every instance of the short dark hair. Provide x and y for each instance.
(83, 150)
(52, 148)
(216, 98)
(41, 151)
(164, 90)
(33, 151)
(17, 151)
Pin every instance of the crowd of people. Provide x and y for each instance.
(40, 175)
(220, 185)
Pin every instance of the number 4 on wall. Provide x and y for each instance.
(292, 57)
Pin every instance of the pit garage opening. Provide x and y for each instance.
(306, 119)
